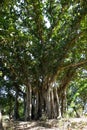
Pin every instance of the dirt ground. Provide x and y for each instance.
(54, 124)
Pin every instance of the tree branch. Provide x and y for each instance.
(74, 65)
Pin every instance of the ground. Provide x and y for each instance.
(54, 124)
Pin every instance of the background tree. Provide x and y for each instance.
(77, 93)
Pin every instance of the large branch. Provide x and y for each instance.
(74, 65)
(64, 52)
(67, 77)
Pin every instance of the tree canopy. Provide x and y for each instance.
(42, 45)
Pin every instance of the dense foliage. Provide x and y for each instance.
(42, 49)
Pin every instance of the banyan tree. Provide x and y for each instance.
(43, 44)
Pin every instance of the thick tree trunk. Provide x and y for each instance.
(28, 113)
(57, 103)
(48, 103)
(52, 105)
(40, 103)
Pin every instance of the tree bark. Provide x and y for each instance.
(28, 113)
(63, 102)
(36, 105)
(53, 108)
(48, 103)
(57, 103)
(40, 103)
